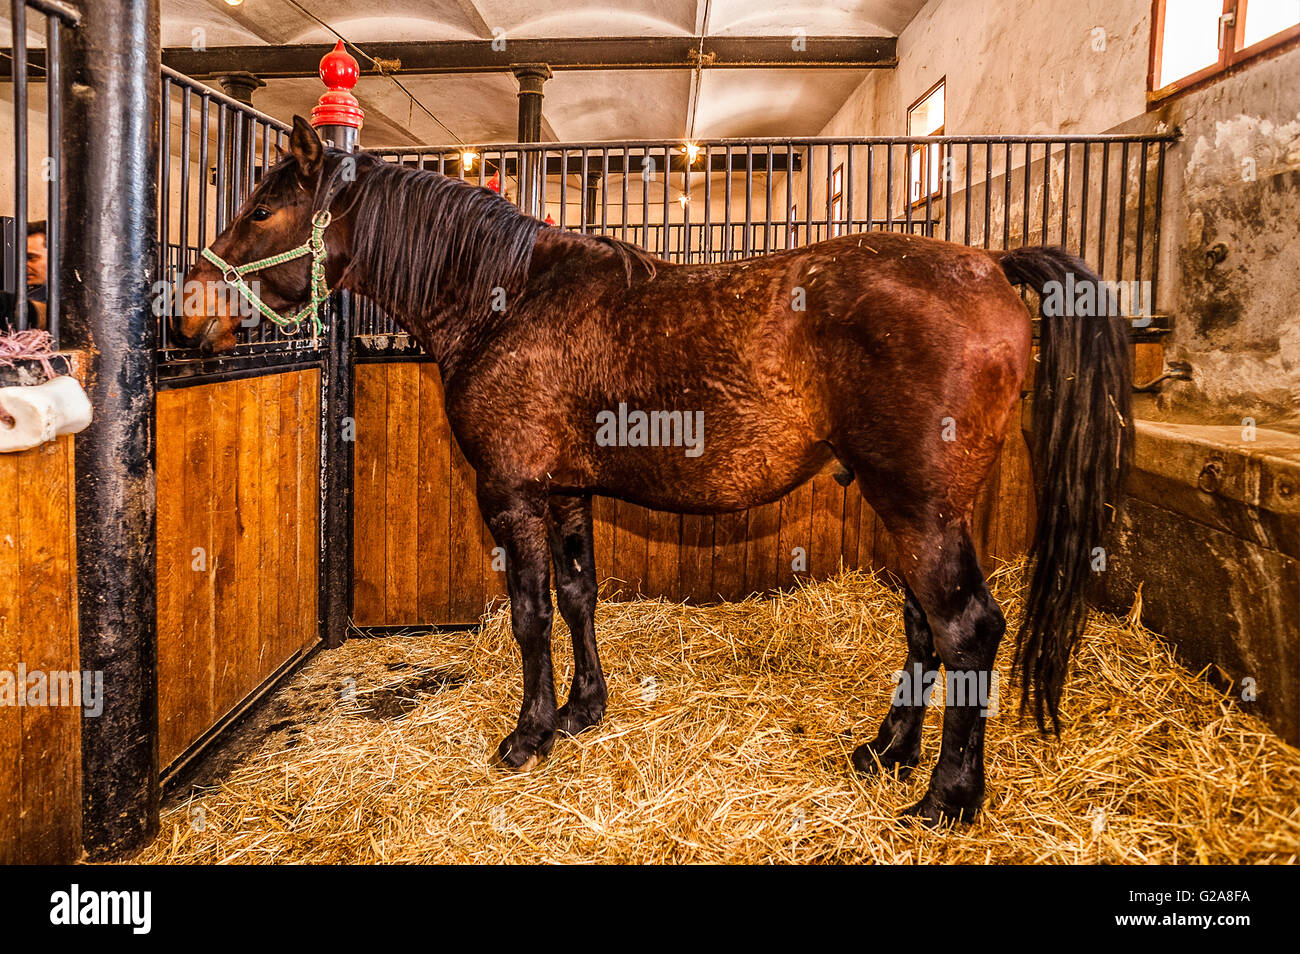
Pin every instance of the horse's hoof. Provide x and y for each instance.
(517, 755)
(868, 761)
(932, 813)
(575, 719)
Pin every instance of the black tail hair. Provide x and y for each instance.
(1082, 442)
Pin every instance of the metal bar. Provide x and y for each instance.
(1006, 198)
(1083, 202)
(1155, 225)
(57, 10)
(18, 12)
(205, 129)
(433, 149)
(624, 191)
(1047, 185)
(848, 189)
(1101, 211)
(164, 180)
(807, 178)
(946, 178)
(768, 224)
(871, 183)
(1024, 210)
(726, 211)
(687, 244)
(707, 243)
(54, 138)
(564, 183)
(1065, 199)
(1139, 246)
(889, 188)
(830, 174)
(789, 198)
(988, 190)
(559, 53)
(749, 201)
(667, 195)
(907, 192)
(222, 183)
(1123, 209)
(966, 193)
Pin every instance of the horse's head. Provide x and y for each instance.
(277, 218)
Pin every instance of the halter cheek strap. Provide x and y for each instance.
(315, 247)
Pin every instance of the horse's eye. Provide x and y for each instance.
(261, 214)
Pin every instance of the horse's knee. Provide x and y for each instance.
(967, 636)
(576, 592)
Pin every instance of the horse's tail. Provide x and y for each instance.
(1081, 444)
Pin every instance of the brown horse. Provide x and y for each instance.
(892, 358)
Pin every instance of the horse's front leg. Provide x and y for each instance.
(518, 524)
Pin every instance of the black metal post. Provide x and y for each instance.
(531, 76)
(239, 86)
(111, 90)
(337, 441)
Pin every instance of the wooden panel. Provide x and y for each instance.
(631, 548)
(663, 554)
(401, 576)
(40, 745)
(729, 532)
(369, 525)
(434, 500)
(237, 556)
(763, 548)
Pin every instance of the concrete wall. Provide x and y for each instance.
(1042, 66)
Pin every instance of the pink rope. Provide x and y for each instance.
(31, 345)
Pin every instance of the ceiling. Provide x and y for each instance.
(579, 104)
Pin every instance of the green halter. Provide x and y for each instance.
(315, 247)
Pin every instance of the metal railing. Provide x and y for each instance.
(57, 17)
(1098, 196)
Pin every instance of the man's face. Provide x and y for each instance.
(36, 259)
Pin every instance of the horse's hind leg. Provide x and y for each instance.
(518, 524)
(573, 557)
(897, 746)
(967, 626)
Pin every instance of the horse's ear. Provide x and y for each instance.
(306, 148)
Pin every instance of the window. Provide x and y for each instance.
(1193, 40)
(837, 200)
(925, 117)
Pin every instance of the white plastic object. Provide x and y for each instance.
(42, 412)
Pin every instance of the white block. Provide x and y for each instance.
(42, 412)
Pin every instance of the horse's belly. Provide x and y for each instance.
(714, 473)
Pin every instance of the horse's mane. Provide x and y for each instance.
(631, 255)
(432, 242)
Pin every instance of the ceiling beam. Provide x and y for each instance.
(575, 53)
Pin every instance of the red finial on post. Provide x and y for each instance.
(338, 107)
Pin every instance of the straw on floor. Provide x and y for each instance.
(728, 740)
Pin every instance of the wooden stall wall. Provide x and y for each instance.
(237, 544)
(422, 554)
(40, 746)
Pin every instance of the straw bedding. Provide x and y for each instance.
(727, 740)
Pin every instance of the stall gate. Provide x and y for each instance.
(275, 528)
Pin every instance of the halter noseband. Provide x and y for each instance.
(314, 246)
